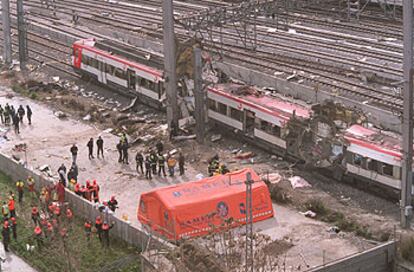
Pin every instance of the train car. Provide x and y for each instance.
(119, 73)
(254, 115)
(374, 156)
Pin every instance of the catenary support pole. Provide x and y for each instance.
(5, 15)
(407, 121)
(21, 29)
(170, 66)
(199, 96)
(249, 266)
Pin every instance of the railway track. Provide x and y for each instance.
(311, 49)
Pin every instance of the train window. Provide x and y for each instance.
(120, 73)
(94, 63)
(151, 86)
(212, 104)
(358, 159)
(236, 114)
(387, 169)
(222, 108)
(109, 69)
(276, 131)
(85, 60)
(142, 82)
(373, 165)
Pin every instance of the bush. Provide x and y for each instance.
(317, 206)
(407, 249)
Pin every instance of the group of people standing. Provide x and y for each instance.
(9, 115)
(155, 159)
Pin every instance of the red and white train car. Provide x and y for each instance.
(118, 72)
(374, 156)
(255, 115)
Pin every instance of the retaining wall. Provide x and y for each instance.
(377, 259)
(83, 208)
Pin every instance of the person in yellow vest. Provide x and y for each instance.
(72, 184)
(31, 184)
(20, 190)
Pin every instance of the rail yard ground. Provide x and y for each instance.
(363, 219)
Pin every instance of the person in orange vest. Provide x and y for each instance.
(78, 189)
(98, 226)
(14, 227)
(88, 190)
(105, 233)
(69, 214)
(88, 229)
(51, 207)
(6, 235)
(113, 204)
(95, 192)
(60, 190)
(11, 195)
(12, 207)
(56, 211)
(49, 230)
(35, 215)
(31, 184)
(38, 237)
(20, 190)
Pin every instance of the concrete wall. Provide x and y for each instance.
(404, 267)
(377, 259)
(81, 207)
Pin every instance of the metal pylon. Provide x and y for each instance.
(249, 224)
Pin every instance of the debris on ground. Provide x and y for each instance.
(215, 138)
(184, 137)
(87, 117)
(309, 214)
(245, 155)
(272, 178)
(334, 229)
(299, 182)
(60, 114)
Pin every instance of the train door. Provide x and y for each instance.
(77, 57)
(249, 122)
(131, 80)
(102, 70)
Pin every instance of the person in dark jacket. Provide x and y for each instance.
(2, 114)
(161, 165)
(21, 112)
(29, 114)
(99, 144)
(181, 162)
(16, 122)
(153, 159)
(119, 148)
(125, 147)
(62, 174)
(139, 159)
(6, 236)
(74, 151)
(148, 168)
(90, 148)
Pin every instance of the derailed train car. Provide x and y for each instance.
(318, 136)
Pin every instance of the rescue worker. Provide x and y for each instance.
(148, 168)
(153, 160)
(31, 185)
(181, 162)
(20, 190)
(38, 237)
(119, 148)
(74, 151)
(29, 114)
(88, 191)
(5, 210)
(7, 114)
(6, 235)
(161, 164)
(75, 18)
(95, 191)
(21, 112)
(62, 174)
(35, 215)
(160, 147)
(2, 114)
(60, 190)
(99, 144)
(78, 189)
(90, 148)
(125, 147)
(98, 226)
(14, 227)
(50, 230)
(139, 159)
(113, 204)
(69, 214)
(213, 165)
(12, 207)
(105, 232)
(16, 125)
(171, 162)
(88, 229)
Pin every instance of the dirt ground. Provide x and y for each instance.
(49, 139)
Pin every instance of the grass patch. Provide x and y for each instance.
(76, 254)
(407, 249)
(279, 195)
(338, 219)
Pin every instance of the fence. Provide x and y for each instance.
(377, 259)
(83, 208)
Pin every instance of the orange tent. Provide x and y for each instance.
(197, 208)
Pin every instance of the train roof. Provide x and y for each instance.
(375, 139)
(257, 99)
(91, 45)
